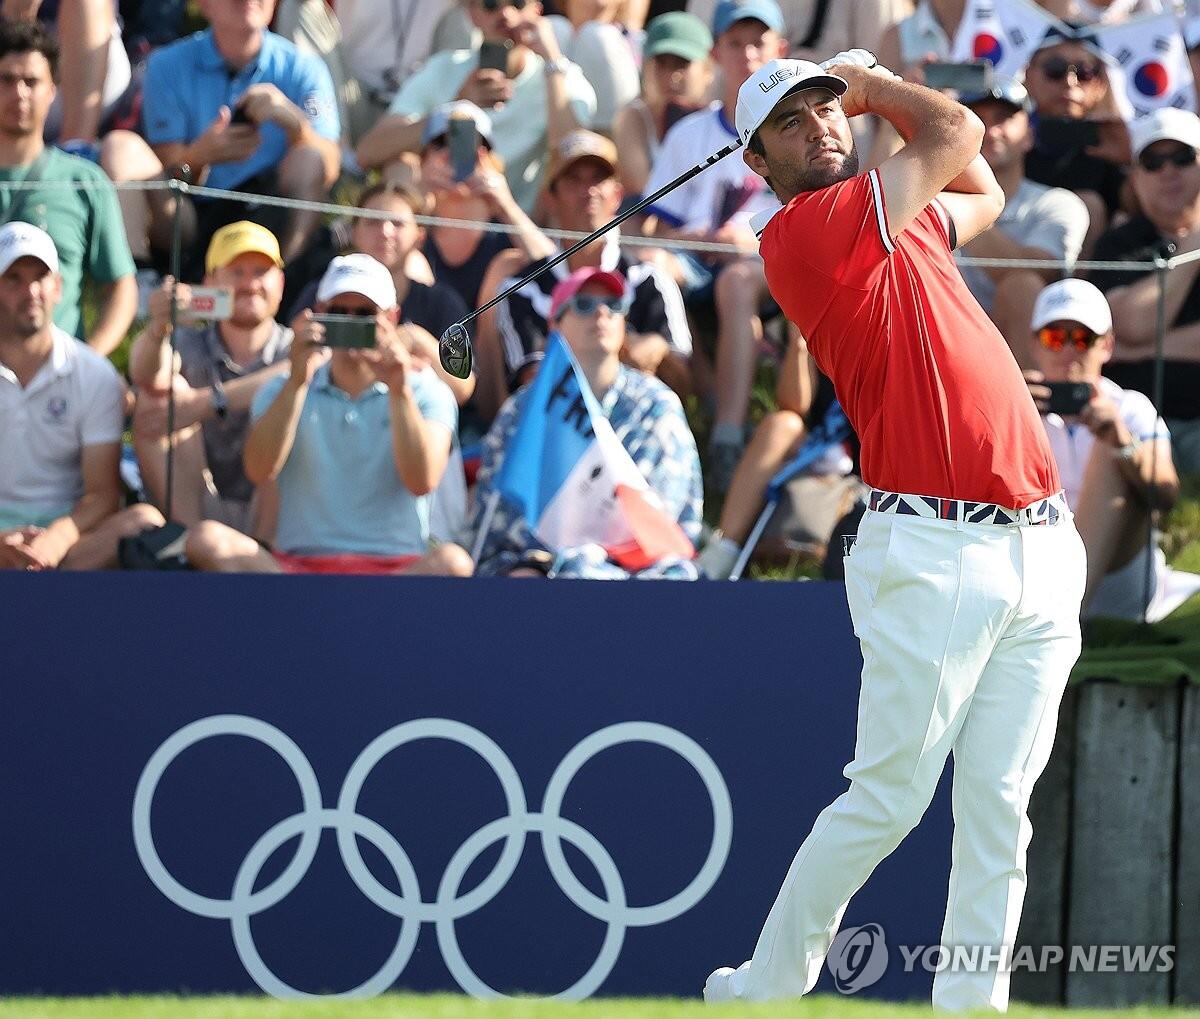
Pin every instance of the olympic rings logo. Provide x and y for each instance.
(448, 905)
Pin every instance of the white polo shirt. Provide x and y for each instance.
(1072, 444)
(76, 399)
(700, 203)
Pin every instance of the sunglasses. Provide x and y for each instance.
(1181, 157)
(335, 309)
(589, 304)
(1057, 337)
(494, 5)
(1057, 69)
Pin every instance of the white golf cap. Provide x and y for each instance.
(18, 240)
(771, 83)
(1165, 124)
(1072, 301)
(358, 274)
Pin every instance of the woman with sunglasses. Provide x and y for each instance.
(1113, 454)
(519, 76)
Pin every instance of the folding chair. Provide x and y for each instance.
(833, 430)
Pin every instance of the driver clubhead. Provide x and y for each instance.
(454, 351)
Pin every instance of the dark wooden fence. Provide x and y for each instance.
(1115, 857)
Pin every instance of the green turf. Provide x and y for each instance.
(454, 1007)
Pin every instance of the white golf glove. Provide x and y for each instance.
(863, 58)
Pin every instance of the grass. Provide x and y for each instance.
(445, 1006)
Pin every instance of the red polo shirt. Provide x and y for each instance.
(927, 381)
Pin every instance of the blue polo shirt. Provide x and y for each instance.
(188, 81)
(339, 490)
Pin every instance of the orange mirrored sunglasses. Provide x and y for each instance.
(1057, 337)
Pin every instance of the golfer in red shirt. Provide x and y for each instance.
(966, 578)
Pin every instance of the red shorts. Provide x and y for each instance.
(349, 562)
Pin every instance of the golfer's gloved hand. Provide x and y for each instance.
(863, 58)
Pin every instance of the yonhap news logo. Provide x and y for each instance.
(859, 957)
(450, 903)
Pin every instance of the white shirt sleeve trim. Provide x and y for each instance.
(880, 211)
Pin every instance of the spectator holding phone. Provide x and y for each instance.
(236, 107)
(1080, 143)
(534, 95)
(1113, 454)
(1038, 222)
(222, 363)
(348, 502)
(470, 185)
(1166, 182)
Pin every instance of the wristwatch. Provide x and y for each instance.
(559, 65)
(220, 402)
(1129, 450)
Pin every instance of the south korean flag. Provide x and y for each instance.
(1003, 32)
(1147, 64)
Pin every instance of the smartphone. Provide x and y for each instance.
(493, 55)
(1067, 134)
(238, 115)
(1068, 398)
(462, 139)
(348, 331)
(970, 76)
(209, 304)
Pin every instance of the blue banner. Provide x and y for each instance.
(324, 785)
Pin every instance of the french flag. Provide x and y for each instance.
(566, 468)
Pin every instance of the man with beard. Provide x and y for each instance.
(222, 365)
(967, 574)
(61, 412)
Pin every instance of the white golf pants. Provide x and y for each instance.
(968, 634)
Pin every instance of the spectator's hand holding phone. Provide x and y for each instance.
(224, 142)
(159, 305)
(308, 351)
(1038, 389)
(390, 359)
(487, 88)
(1101, 416)
(492, 187)
(264, 103)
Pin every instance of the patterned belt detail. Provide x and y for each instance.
(1051, 510)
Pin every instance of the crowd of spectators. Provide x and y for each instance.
(520, 118)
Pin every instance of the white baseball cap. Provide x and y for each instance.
(18, 240)
(772, 83)
(1073, 300)
(1163, 124)
(358, 274)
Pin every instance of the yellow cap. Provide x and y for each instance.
(238, 239)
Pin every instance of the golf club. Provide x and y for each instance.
(454, 348)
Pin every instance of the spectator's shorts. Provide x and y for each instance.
(346, 563)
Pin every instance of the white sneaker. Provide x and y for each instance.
(725, 984)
